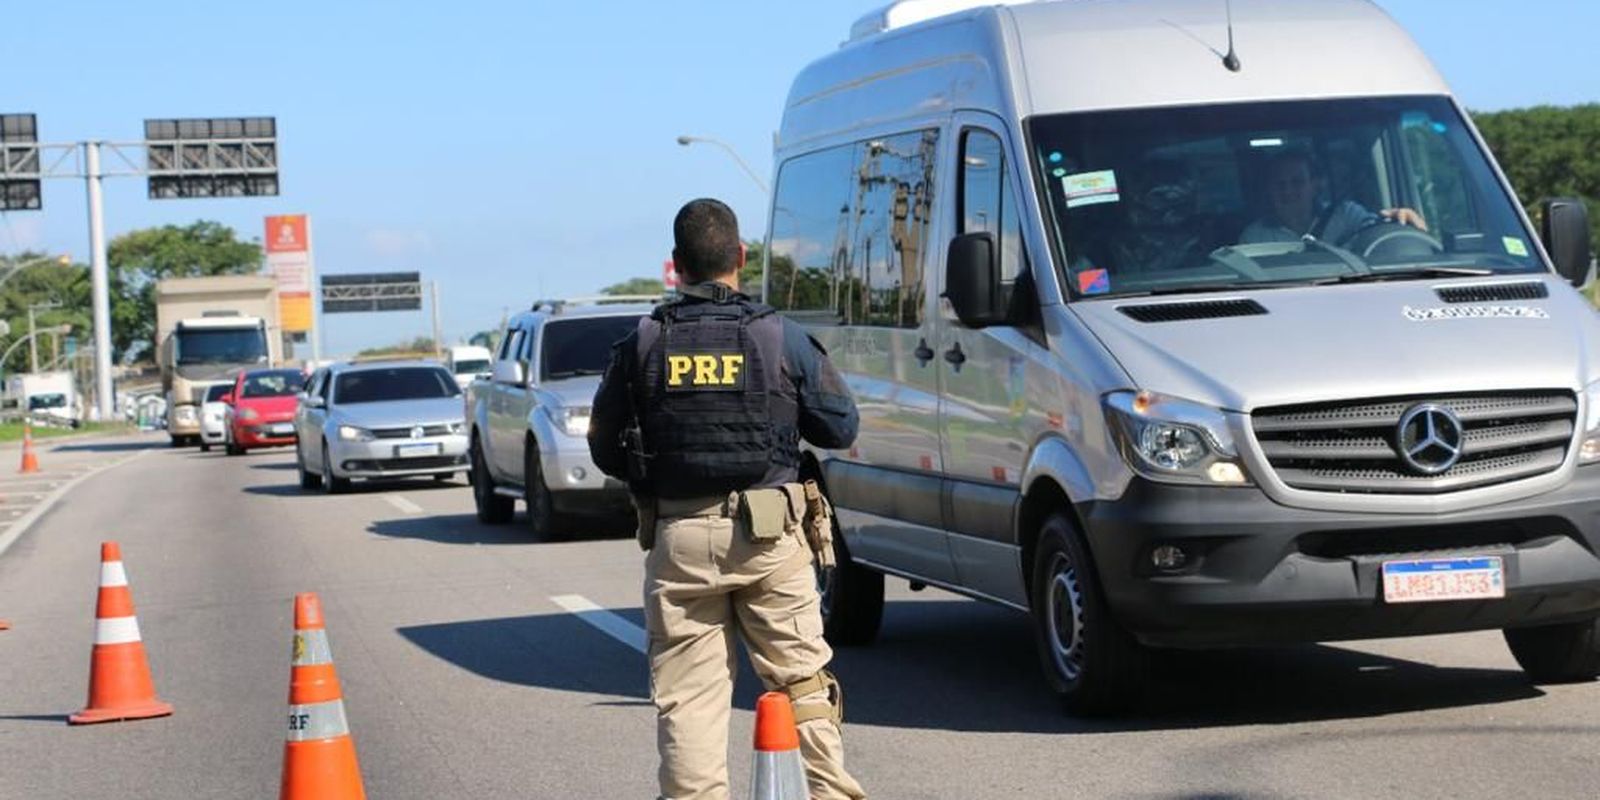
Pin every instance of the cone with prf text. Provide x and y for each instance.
(319, 758)
(119, 672)
(779, 773)
(30, 460)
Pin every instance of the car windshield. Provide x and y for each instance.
(278, 383)
(1270, 194)
(52, 400)
(573, 347)
(472, 367)
(214, 394)
(221, 346)
(393, 383)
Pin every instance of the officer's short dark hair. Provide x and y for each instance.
(705, 238)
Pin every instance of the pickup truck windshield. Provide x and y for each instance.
(221, 346)
(573, 347)
(1272, 194)
(397, 383)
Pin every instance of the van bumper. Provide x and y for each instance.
(1259, 572)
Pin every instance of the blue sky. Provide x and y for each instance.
(517, 150)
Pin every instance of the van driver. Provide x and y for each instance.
(1297, 212)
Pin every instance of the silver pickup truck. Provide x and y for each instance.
(530, 418)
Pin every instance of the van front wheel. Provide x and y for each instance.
(1563, 653)
(1095, 667)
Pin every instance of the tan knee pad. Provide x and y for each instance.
(823, 681)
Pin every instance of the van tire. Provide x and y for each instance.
(1565, 653)
(851, 597)
(1095, 667)
(493, 509)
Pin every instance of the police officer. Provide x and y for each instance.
(702, 410)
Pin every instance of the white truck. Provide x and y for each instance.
(49, 397)
(207, 331)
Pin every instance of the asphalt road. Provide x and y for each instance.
(464, 676)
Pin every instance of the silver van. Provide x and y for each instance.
(1176, 332)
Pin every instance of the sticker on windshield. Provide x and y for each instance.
(1514, 245)
(1473, 312)
(1089, 188)
(1094, 281)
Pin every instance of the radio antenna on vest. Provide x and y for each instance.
(1231, 59)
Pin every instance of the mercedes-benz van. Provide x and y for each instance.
(1177, 332)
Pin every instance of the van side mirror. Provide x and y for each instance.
(972, 280)
(514, 373)
(1564, 230)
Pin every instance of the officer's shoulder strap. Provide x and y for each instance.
(648, 332)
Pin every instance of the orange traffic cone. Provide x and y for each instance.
(4, 626)
(319, 758)
(779, 774)
(119, 673)
(30, 460)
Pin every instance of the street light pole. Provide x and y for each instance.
(100, 282)
(33, 343)
(688, 140)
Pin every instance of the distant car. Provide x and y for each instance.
(214, 416)
(379, 420)
(261, 409)
(530, 419)
(467, 362)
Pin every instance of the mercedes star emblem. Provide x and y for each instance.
(1430, 438)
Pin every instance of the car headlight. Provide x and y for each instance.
(458, 428)
(350, 433)
(1176, 441)
(249, 413)
(574, 420)
(185, 413)
(1589, 452)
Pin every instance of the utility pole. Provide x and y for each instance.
(433, 300)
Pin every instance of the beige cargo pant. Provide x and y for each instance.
(704, 581)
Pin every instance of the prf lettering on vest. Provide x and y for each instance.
(691, 371)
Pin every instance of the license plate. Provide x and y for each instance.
(1430, 580)
(417, 450)
(283, 429)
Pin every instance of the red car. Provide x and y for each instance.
(261, 409)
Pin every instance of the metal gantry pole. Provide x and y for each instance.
(433, 301)
(100, 283)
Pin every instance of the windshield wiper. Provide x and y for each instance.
(572, 373)
(1411, 274)
(1202, 288)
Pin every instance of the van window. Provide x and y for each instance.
(850, 232)
(1276, 193)
(988, 202)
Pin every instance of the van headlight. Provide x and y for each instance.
(1175, 441)
(350, 433)
(1589, 451)
(572, 420)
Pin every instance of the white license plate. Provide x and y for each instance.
(417, 450)
(1429, 580)
(283, 429)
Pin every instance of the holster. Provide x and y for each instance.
(819, 524)
(644, 509)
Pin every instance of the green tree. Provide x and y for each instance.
(421, 346)
(44, 282)
(635, 286)
(140, 258)
(1547, 151)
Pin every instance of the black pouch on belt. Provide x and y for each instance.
(765, 514)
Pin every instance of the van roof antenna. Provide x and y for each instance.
(1231, 59)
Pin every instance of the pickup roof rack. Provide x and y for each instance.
(555, 306)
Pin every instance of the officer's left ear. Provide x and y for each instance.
(744, 255)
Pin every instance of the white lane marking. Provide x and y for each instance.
(405, 506)
(23, 523)
(608, 622)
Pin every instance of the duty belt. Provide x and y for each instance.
(724, 506)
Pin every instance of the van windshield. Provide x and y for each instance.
(1195, 199)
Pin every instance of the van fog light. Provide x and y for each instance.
(1225, 472)
(1590, 452)
(1168, 558)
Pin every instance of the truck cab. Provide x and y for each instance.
(529, 418)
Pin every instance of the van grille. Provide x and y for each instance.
(1353, 446)
(1494, 292)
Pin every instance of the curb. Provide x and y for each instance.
(26, 521)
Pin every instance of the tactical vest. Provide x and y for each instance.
(717, 412)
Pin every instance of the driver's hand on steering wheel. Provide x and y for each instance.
(1405, 216)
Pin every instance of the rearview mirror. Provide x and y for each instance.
(1564, 230)
(513, 373)
(972, 280)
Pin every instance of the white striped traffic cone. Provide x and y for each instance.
(319, 758)
(119, 672)
(779, 773)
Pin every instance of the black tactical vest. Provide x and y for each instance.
(717, 412)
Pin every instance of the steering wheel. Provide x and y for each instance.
(1384, 240)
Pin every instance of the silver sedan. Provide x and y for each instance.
(379, 420)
